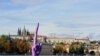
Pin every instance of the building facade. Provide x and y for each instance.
(67, 40)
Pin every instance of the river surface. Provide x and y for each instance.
(49, 55)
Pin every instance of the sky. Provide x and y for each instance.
(71, 18)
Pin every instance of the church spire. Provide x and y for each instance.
(19, 31)
(24, 32)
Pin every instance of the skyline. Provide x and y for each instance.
(61, 17)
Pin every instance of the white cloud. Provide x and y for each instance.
(65, 12)
(28, 2)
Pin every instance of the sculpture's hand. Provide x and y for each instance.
(38, 48)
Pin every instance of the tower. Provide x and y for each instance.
(24, 32)
(19, 31)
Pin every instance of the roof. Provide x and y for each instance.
(40, 36)
(31, 35)
(61, 37)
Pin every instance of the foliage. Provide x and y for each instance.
(59, 49)
(71, 49)
(76, 49)
(7, 47)
(22, 47)
(94, 42)
(3, 41)
(13, 45)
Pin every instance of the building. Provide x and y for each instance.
(67, 40)
(46, 49)
(94, 48)
(40, 38)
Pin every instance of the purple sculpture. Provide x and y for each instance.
(36, 48)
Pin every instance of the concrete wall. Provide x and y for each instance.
(46, 49)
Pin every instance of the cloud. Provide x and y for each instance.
(65, 17)
(28, 2)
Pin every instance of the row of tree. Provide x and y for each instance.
(73, 49)
(9, 46)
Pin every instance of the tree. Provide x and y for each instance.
(8, 47)
(62, 43)
(71, 49)
(5, 44)
(2, 41)
(81, 49)
(4, 37)
(59, 49)
(76, 49)
(22, 47)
